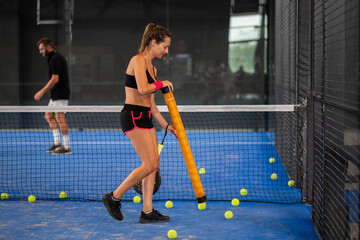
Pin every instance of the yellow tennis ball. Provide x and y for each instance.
(291, 183)
(63, 195)
(202, 171)
(243, 192)
(31, 198)
(271, 160)
(228, 215)
(4, 196)
(202, 206)
(137, 199)
(172, 234)
(235, 202)
(169, 204)
(273, 176)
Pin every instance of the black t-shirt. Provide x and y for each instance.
(58, 66)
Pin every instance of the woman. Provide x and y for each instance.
(136, 122)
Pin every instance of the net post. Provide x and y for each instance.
(305, 170)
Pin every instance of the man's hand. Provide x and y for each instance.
(38, 95)
(54, 79)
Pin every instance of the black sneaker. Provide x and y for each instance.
(61, 150)
(113, 207)
(53, 147)
(153, 217)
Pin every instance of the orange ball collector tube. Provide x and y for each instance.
(184, 145)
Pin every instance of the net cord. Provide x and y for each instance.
(162, 108)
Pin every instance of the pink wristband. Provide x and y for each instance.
(158, 85)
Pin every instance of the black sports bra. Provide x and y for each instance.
(131, 82)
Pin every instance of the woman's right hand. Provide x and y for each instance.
(166, 83)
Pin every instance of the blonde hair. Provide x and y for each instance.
(153, 31)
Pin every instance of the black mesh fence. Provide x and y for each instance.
(285, 49)
(285, 82)
(336, 114)
(327, 49)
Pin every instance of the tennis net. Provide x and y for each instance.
(238, 146)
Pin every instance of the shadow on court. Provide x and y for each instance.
(90, 220)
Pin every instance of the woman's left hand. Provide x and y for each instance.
(172, 130)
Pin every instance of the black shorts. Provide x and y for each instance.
(133, 116)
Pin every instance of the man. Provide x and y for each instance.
(60, 94)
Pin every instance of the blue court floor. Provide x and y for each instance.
(90, 220)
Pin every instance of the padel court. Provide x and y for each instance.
(268, 96)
